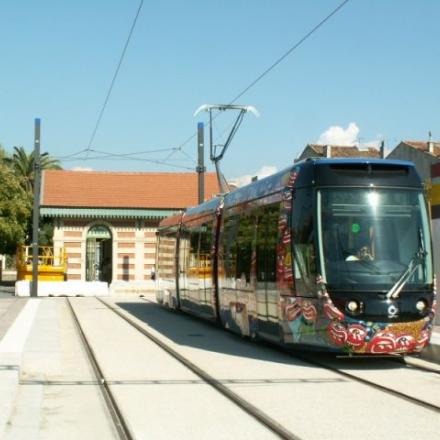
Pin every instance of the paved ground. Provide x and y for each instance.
(7, 289)
(56, 396)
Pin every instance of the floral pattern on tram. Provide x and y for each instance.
(284, 262)
(367, 337)
(321, 321)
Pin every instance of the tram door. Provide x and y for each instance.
(267, 294)
(99, 254)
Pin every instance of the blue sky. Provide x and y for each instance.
(374, 65)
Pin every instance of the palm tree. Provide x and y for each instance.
(23, 165)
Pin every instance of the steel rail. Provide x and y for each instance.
(252, 410)
(307, 359)
(410, 365)
(112, 406)
(382, 388)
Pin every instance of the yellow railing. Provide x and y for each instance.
(52, 264)
(200, 267)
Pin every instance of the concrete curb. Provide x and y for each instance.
(11, 348)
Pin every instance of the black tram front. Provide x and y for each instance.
(362, 242)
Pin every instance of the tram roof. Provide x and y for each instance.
(330, 172)
(314, 171)
(358, 172)
(207, 207)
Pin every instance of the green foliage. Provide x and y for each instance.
(45, 236)
(17, 182)
(15, 210)
(23, 165)
(10, 262)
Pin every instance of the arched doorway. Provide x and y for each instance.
(99, 254)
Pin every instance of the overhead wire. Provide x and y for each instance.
(273, 65)
(115, 75)
(116, 157)
(137, 153)
(174, 150)
(289, 51)
(129, 156)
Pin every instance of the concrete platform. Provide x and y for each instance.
(47, 390)
(63, 288)
(85, 288)
(11, 349)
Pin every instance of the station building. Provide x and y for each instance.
(107, 221)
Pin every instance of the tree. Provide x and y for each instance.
(23, 166)
(15, 210)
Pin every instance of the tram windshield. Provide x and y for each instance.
(374, 238)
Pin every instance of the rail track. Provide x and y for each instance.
(411, 363)
(414, 400)
(310, 359)
(245, 405)
(119, 422)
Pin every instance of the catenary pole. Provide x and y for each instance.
(36, 208)
(201, 161)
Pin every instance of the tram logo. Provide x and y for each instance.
(393, 311)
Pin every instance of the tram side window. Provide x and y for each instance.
(267, 238)
(194, 243)
(230, 229)
(166, 261)
(205, 244)
(245, 238)
(303, 235)
(238, 237)
(184, 254)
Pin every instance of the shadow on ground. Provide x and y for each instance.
(190, 331)
(7, 289)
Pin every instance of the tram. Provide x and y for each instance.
(329, 254)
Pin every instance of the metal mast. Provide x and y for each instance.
(217, 151)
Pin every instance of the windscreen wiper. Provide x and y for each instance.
(414, 263)
(298, 258)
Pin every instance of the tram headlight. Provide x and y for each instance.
(354, 306)
(421, 305)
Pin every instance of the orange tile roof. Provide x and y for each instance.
(95, 189)
(423, 146)
(344, 151)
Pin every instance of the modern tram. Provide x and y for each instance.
(329, 254)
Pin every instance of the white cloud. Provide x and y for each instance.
(336, 135)
(264, 171)
(81, 169)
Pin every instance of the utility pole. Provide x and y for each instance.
(217, 151)
(36, 209)
(201, 161)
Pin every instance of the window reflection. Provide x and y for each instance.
(369, 236)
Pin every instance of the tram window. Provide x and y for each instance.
(245, 238)
(230, 230)
(303, 234)
(267, 237)
(205, 244)
(194, 247)
(184, 247)
(238, 237)
(391, 224)
(166, 261)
